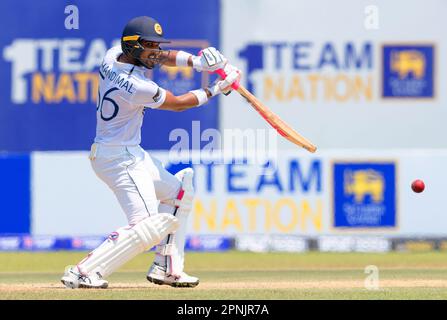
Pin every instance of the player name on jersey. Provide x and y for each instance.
(107, 72)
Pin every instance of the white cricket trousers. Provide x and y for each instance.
(138, 180)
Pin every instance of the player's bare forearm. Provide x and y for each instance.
(180, 103)
(171, 59)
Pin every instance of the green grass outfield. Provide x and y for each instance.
(238, 275)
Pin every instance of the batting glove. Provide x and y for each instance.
(209, 60)
(224, 85)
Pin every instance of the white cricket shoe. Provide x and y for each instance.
(158, 275)
(73, 279)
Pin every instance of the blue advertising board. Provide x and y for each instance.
(408, 71)
(27, 242)
(48, 72)
(364, 194)
(15, 193)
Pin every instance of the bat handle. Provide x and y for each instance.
(223, 75)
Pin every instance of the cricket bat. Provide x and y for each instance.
(276, 122)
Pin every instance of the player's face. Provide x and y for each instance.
(152, 53)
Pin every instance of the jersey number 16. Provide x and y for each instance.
(101, 102)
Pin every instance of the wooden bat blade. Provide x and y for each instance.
(276, 122)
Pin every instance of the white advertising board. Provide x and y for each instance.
(335, 192)
(345, 74)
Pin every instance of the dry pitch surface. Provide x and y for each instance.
(237, 275)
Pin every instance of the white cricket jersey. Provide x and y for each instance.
(124, 92)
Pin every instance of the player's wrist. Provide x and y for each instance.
(201, 95)
(197, 63)
(208, 93)
(181, 59)
(213, 90)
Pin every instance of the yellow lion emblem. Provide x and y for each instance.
(362, 182)
(158, 29)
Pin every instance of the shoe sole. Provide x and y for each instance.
(70, 285)
(173, 284)
(84, 286)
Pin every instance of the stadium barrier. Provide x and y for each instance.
(248, 243)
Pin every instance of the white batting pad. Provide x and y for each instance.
(127, 242)
(175, 247)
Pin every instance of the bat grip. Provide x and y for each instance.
(223, 75)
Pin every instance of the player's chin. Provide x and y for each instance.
(150, 64)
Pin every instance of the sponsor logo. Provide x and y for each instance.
(114, 236)
(55, 70)
(9, 243)
(208, 243)
(286, 71)
(38, 242)
(421, 245)
(84, 243)
(281, 197)
(353, 244)
(157, 96)
(272, 243)
(60, 71)
(408, 71)
(364, 195)
(339, 72)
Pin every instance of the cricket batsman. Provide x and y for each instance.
(156, 203)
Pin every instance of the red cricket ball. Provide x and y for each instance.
(418, 186)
